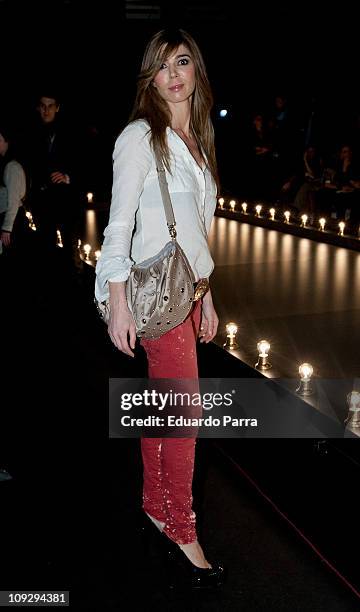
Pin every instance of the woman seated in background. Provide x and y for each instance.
(342, 180)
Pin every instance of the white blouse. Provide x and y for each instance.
(15, 184)
(137, 226)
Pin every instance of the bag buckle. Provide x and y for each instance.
(172, 231)
(201, 288)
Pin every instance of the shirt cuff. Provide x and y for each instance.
(115, 270)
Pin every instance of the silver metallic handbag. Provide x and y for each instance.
(161, 290)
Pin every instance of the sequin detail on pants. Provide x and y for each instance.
(169, 462)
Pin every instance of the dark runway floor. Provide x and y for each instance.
(69, 516)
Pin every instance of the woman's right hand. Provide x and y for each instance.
(122, 330)
(5, 238)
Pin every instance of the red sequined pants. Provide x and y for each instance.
(169, 462)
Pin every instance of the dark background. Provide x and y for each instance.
(91, 53)
(92, 50)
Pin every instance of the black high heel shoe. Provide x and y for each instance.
(180, 572)
(183, 573)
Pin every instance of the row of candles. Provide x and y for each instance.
(306, 371)
(244, 207)
(272, 214)
(87, 248)
(258, 209)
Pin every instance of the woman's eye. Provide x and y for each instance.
(184, 61)
(162, 66)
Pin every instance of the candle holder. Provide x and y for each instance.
(263, 358)
(353, 418)
(306, 371)
(231, 343)
(87, 250)
(304, 219)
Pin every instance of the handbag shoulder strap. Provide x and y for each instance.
(169, 212)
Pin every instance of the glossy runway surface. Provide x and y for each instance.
(298, 294)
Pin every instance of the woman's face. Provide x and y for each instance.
(175, 81)
(4, 145)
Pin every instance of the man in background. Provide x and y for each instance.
(54, 194)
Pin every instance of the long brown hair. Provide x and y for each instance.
(150, 106)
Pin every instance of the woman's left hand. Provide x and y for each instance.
(5, 238)
(209, 319)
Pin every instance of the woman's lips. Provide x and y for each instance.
(176, 87)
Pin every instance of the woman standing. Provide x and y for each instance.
(172, 113)
(12, 191)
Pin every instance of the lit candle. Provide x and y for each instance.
(221, 202)
(353, 418)
(90, 197)
(232, 205)
(258, 210)
(231, 329)
(341, 228)
(306, 371)
(304, 219)
(287, 216)
(322, 222)
(59, 242)
(272, 213)
(87, 249)
(244, 206)
(263, 348)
